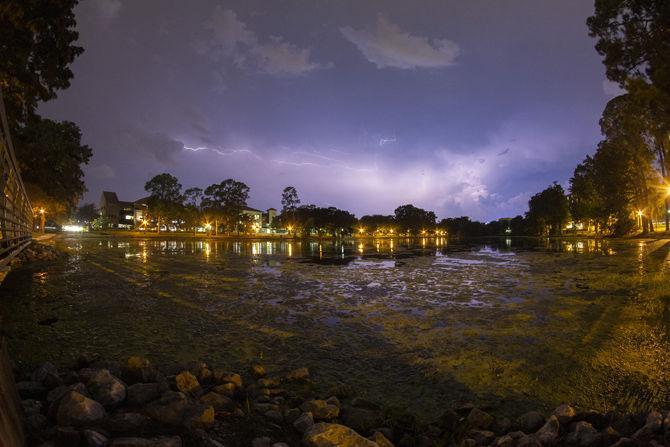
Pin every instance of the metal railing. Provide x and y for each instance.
(16, 213)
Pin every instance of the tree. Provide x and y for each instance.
(50, 156)
(227, 199)
(165, 199)
(85, 213)
(289, 199)
(585, 201)
(548, 210)
(634, 38)
(377, 223)
(36, 48)
(193, 196)
(414, 220)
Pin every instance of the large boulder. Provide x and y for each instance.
(320, 409)
(169, 409)
(334, 435)
(106, 389)
(77, 410)
(30, 389)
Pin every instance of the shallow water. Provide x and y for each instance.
(421, 325)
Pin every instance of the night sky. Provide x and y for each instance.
(461, 107)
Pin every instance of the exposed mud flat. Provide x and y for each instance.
(421, 325)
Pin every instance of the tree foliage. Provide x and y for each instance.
(548, 210)
(411, 219)
(36, 48)
(50, 155)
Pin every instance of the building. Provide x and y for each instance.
(122, 214)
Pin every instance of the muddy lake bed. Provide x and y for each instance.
(413, 324)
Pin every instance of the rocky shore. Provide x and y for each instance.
(99, 403)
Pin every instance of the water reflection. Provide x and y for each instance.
(344, 249)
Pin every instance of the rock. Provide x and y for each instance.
(504, 441)
(67, 436)
(126, 423)
(291, 415)
(36, 422)
(47, 375)
(280, 444)
(304, 422)
(31, 406)
(320, 409)
(186, 382)
(479, 419)
(86, 359)
(598, 420)
(483, 437)
(625, 442)
(94, 439)
(274, 415)
(653, 425)
(298, 374)
(107, 389)
(227, 389)
(138, 370)
(361, 419)
(30, 390)
(222, 377)
(609, 436)
(269, 382)
(467, 442)
(261, 442)
(169, 409)
(78, 410)
(530, 422)
(501, 426)
(583, 435)
(218, 401)
(381, 440)
(450, 420)
(200, 415)
(257, 370)
(142, 393)
(334, 435)
(548, 434)
(174, 441)
(564, 413)
(528, 441)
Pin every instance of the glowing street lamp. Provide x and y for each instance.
(361, 230)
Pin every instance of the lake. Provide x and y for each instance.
(415, 324)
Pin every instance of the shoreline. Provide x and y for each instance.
(98, 402)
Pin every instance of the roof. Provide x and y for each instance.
(142, 201)
(253, 210)
(110, 197)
